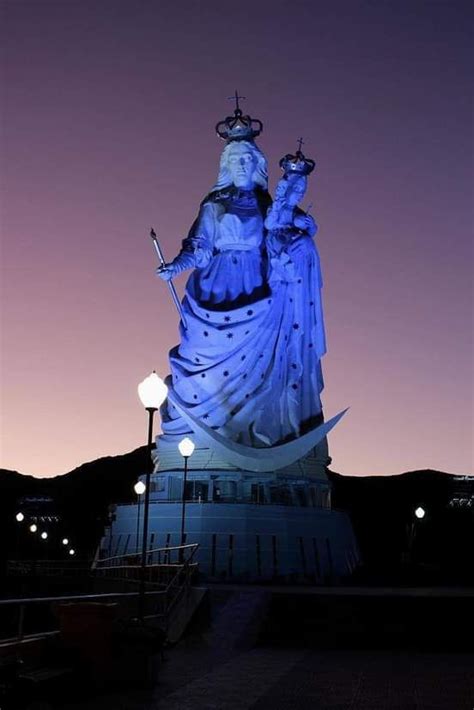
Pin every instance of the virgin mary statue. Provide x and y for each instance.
(248, 361)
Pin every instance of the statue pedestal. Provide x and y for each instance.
(250, 526)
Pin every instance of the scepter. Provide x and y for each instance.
(171, 287)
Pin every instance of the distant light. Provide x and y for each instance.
(186, 447)
(152, 391)
(65, 541)
(420, 513)
(44, 535)
(72, 552)
(20, 517)
(139, 488)
(33, 527)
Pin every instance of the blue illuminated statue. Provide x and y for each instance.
(248, 366)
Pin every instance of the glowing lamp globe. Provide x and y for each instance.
(20, 517)
(44, 535)
(33, 528)
(139, 488)
(186, 447)
(72, 552)
(152, 391)
(65, 541)
(420, 513)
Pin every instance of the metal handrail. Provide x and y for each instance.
(171, 592)
(165, 550)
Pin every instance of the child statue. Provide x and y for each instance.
(290, 229)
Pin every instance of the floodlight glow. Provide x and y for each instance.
(152, 391)
(420, 513)
(20, 517)
(186, 447)
(44, 535)
(65, 541)
(139, 488)
(33, 527)
(72, 552)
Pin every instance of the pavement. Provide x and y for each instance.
(222, 666)
(274, 679)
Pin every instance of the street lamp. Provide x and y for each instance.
(152, 392)
(72, 552)
(139, 488)
(186, 449)
(419, 514)
(44, 535)
(20, 517)
(33, 527)
(65, 541)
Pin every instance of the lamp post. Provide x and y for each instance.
(19, 517)
(152, 392)
(419, 514)
(139, 488)
(186, 449)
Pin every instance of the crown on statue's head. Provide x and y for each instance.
(239, 127)
(297, 164)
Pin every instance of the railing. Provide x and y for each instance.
(288, 503)
(50, 568)
(166, 582)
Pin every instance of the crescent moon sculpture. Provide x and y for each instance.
(258, 460)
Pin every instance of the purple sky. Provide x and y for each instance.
(108, 128)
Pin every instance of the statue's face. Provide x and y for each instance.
(296, 190)
(241, 164)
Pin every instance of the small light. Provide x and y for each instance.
(139, 488)
(420, 513)
(44, 535)
(33, 527)
(152, 391)
(20, 517)
(65, 541)
(72, 552)
(186, 447)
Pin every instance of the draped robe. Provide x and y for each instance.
(248, 364)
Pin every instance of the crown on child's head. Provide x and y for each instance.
(238, 127)
(297, 164)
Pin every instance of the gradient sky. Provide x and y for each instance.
(108, 122)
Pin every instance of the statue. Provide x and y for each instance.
(248, 364)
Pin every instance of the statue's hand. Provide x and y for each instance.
(306, 224)
(166, 272)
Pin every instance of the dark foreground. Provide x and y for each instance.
(276, 679)
(255, 651)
